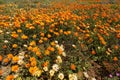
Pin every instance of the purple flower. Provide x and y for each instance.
(117, 74)
(110, 75)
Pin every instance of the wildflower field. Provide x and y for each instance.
(59, 40)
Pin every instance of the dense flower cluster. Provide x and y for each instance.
(58, 42)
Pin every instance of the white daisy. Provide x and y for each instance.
(45, 68)
(59, 60)
(86, 74)
(5, 41)
(61, 76)
(20, 62)
(55, 67)
(51, 72)
(64, 54)
(73, 77)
